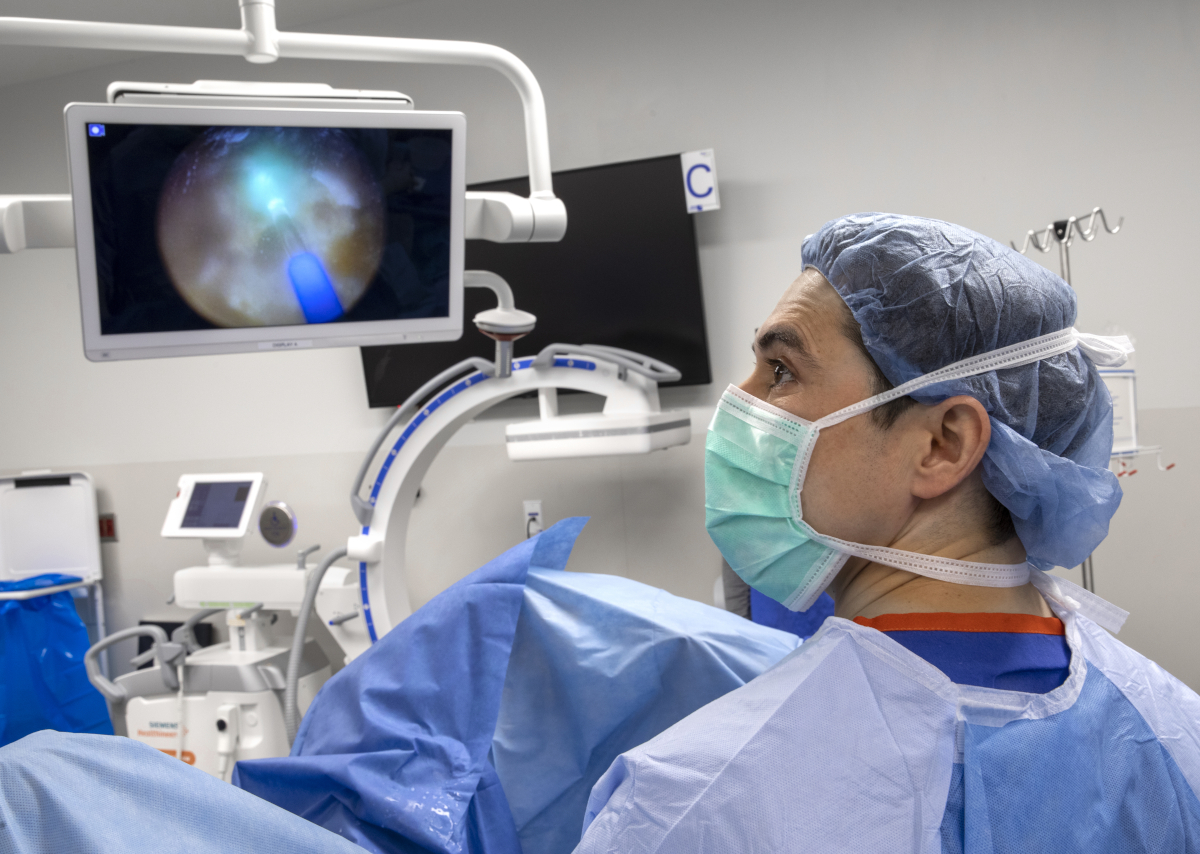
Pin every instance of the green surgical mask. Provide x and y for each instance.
(756, 458)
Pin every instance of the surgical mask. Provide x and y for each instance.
(756, 458)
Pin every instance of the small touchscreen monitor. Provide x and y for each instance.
(216, 505)
(213, 506)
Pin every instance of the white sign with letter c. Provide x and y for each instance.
(700, 180)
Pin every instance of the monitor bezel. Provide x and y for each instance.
(173, 523)
(146, 345)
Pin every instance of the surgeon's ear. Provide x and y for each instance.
(955, 434)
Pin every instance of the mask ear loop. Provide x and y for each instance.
(1108, 351)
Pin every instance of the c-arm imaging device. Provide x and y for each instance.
(631, 422)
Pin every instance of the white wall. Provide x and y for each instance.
(998, 116)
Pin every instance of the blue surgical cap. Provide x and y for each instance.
(928, 293)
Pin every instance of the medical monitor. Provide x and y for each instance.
(626, 274)
(213, 506)
(234, 229)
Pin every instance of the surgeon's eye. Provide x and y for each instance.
(780, 374)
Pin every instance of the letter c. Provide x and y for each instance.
(688, 181)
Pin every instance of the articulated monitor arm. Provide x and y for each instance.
(38, 221)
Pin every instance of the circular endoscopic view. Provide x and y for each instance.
(271, 226)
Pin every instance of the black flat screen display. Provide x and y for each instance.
(626, 275)
(203, 227)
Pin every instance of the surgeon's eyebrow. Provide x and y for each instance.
(787, 338)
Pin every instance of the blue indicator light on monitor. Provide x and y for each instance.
(95, 130)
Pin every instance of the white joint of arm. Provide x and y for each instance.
(36, 222)
(495, 283)
(364, 548)
(508, 218)
(258, 22)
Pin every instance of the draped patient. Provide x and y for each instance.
(923, 435)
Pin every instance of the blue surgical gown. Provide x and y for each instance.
(104, 794)
(855, 743)
(804, 624)
(1014, 652)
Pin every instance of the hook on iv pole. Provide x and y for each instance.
(1064, 232)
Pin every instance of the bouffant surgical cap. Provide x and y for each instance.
(927, 294)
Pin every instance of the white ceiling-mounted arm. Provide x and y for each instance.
(46, 32)
(499, 217)
(36, 222)
(384, 49)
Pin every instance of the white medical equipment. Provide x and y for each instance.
(215, 705)
(1122, 388)
(48, 524)
(245, 189)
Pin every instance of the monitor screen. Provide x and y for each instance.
(216, 505)
(626, 274)
(239, 234)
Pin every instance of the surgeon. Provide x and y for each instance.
(923, 435)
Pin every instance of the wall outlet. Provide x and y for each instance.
(533, 517)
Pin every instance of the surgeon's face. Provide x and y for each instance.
(856, 487)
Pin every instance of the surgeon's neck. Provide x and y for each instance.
(866, 589)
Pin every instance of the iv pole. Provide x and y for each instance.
(1063, 233)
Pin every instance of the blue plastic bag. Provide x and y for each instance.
(43, 683)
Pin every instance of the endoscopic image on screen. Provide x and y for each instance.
(211, 227)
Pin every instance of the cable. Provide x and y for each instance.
(645, 365)
(291, 715)
(186, 633)
(182, 704)
(362, 510)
